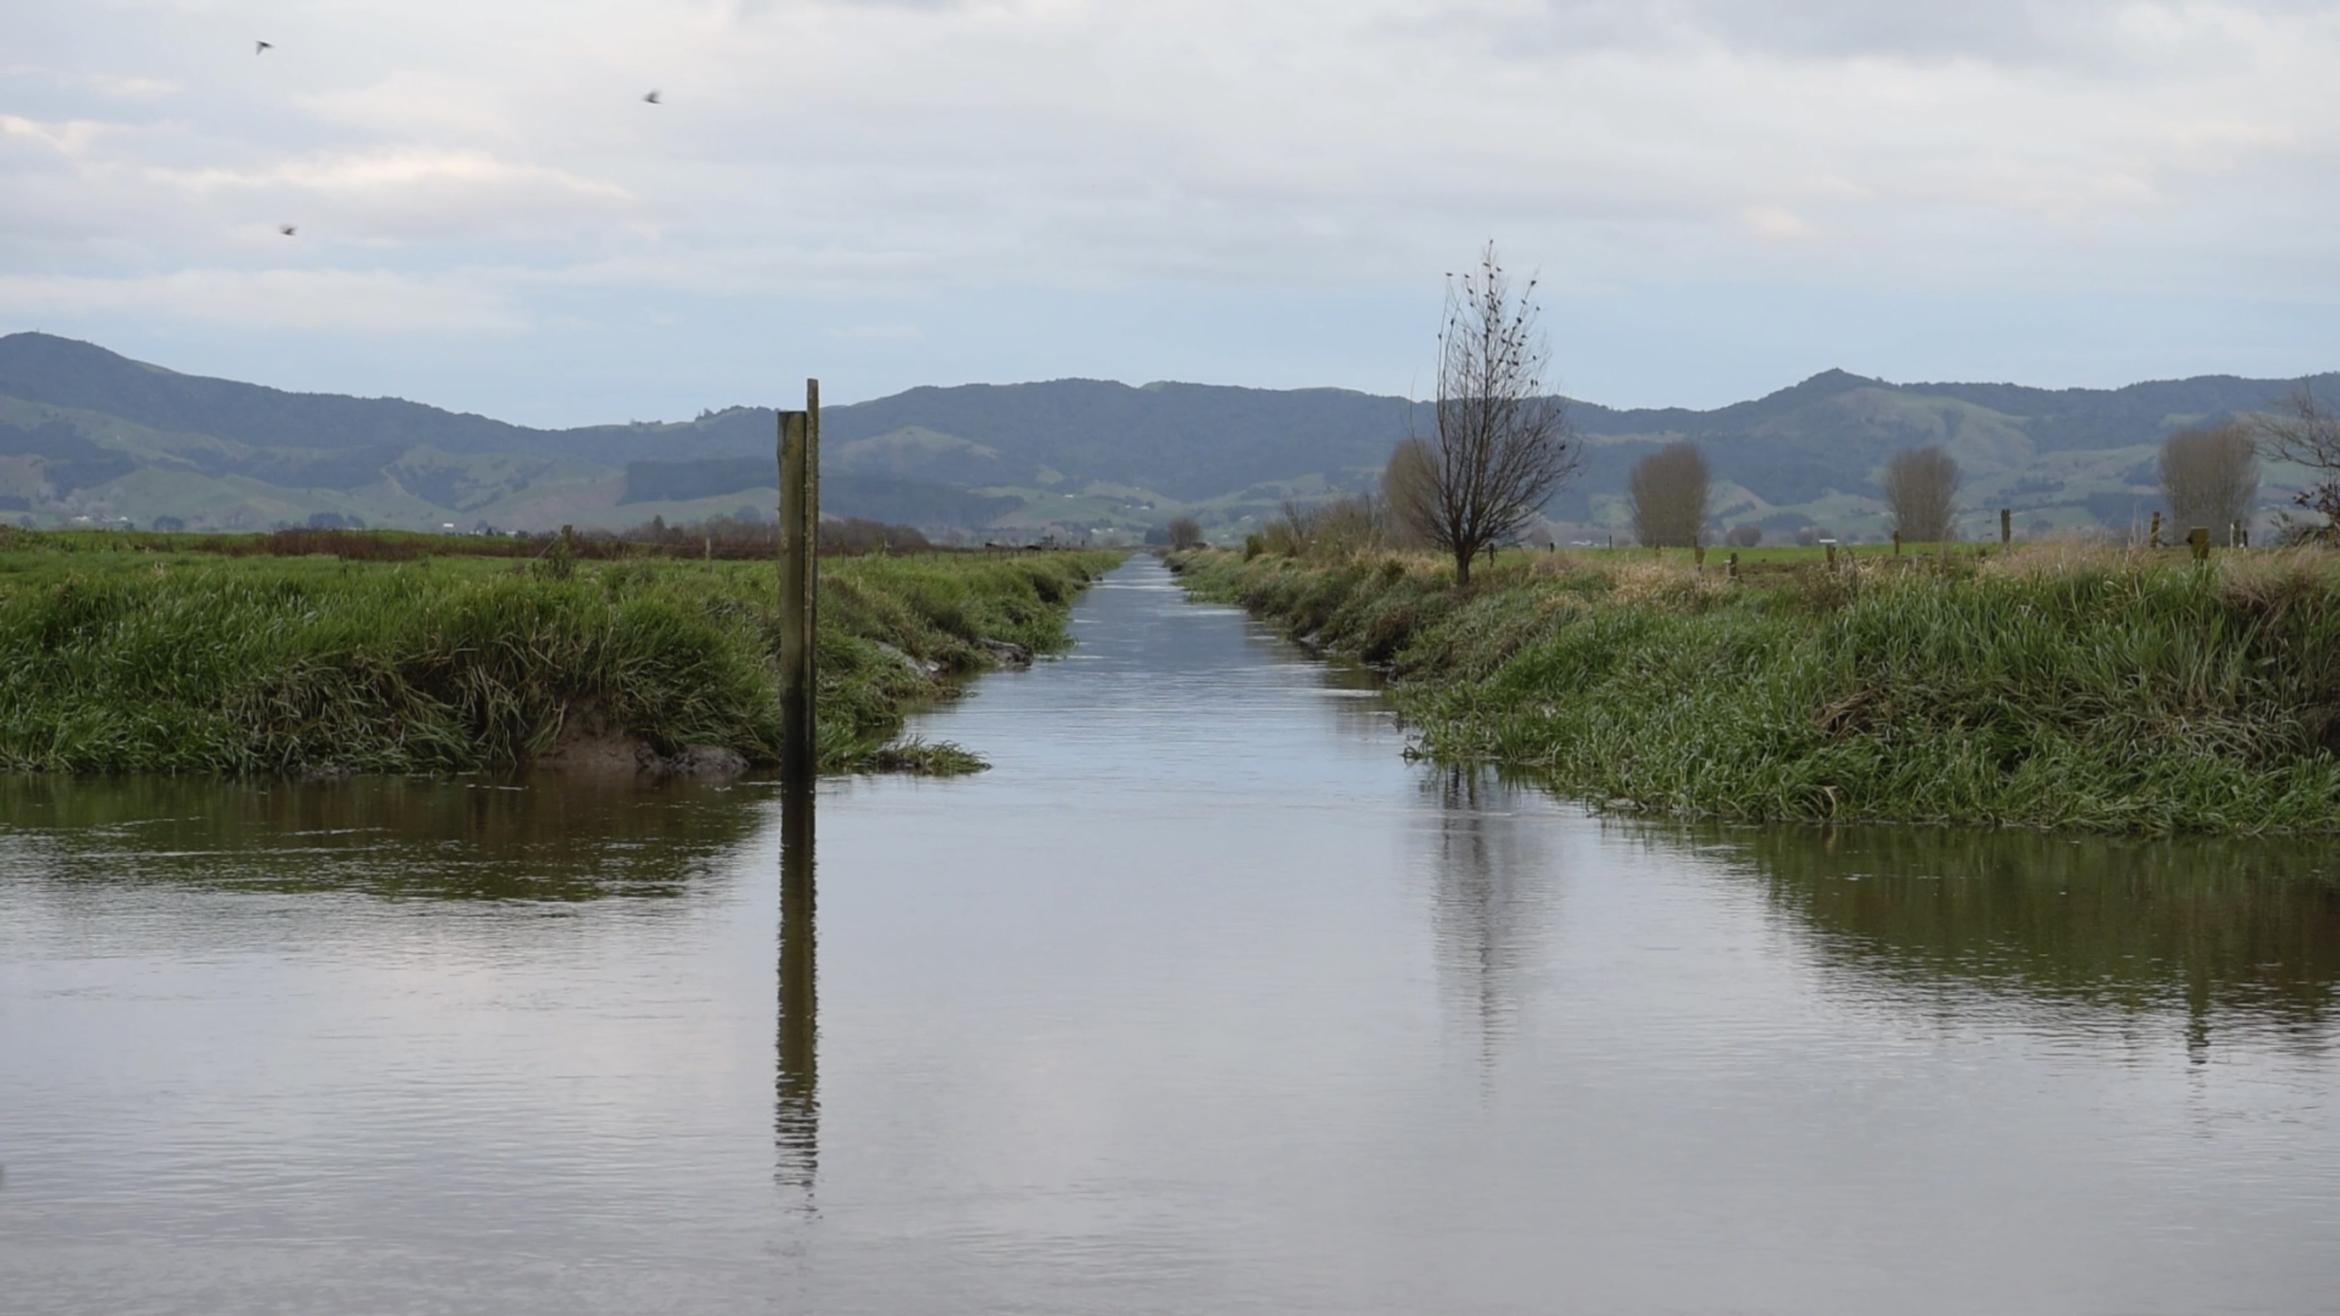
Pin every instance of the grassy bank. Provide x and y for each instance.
(2101, 690)
(189, 662)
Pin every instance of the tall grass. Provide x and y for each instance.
(2084, 689)
(115, 662)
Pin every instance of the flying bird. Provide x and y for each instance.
(288, 229)
(652, 98)
(262, 47)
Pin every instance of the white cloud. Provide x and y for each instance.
(872, 155)
(340, 301)
(1777, 223)
(115, 86)
(371, 173)
(70, 138)
(877, 333)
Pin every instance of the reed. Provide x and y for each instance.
(2095, 689)
(193, 662)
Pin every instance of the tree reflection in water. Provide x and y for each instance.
(1491, 891)
(2211, 932)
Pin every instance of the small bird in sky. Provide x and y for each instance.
(652, 98)
(288, 229)
(262, 47)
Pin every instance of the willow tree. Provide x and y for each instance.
(1670, 494)
(2210, 477)
(1407, 492)
(1921, 491)
(1501, 445)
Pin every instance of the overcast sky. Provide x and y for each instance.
(1723, 196)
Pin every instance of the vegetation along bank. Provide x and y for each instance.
(153, 660)
(2049, 687)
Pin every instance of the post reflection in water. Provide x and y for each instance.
(796, 1116)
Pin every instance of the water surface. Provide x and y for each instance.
(1203, 999)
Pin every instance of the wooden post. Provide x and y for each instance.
(800, 583)
(1831, 547)
(2153, 537)
(1698, 554)
(2006, 526)
(1731, 566)
(2199, 537)
(1897, 543)
(2234, 535)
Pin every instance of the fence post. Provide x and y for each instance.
(1897, 543)
(1831, 555)
(800, 583)
(1731, 566)
(1698, 555)
(2153, 538)
(2006, 526)
(2199, 537)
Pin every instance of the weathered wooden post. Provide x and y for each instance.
(800, 582)
(2006, 526)
(2153, 537)
(1897, 543)
(1698, 555)
(2199, 538)
(1831, 547)
(1731, 566)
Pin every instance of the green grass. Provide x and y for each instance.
(129, 660)
(2095, 690)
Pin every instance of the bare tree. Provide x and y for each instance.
(2210, 477)
(1669, 495)
(2305, 429)
(1921, 491)
(1502, 445)
(1185, 533)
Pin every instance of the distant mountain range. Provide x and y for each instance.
(89, 434)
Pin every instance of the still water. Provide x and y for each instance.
(1202, 1000)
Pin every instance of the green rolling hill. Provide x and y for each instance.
(87, 435)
